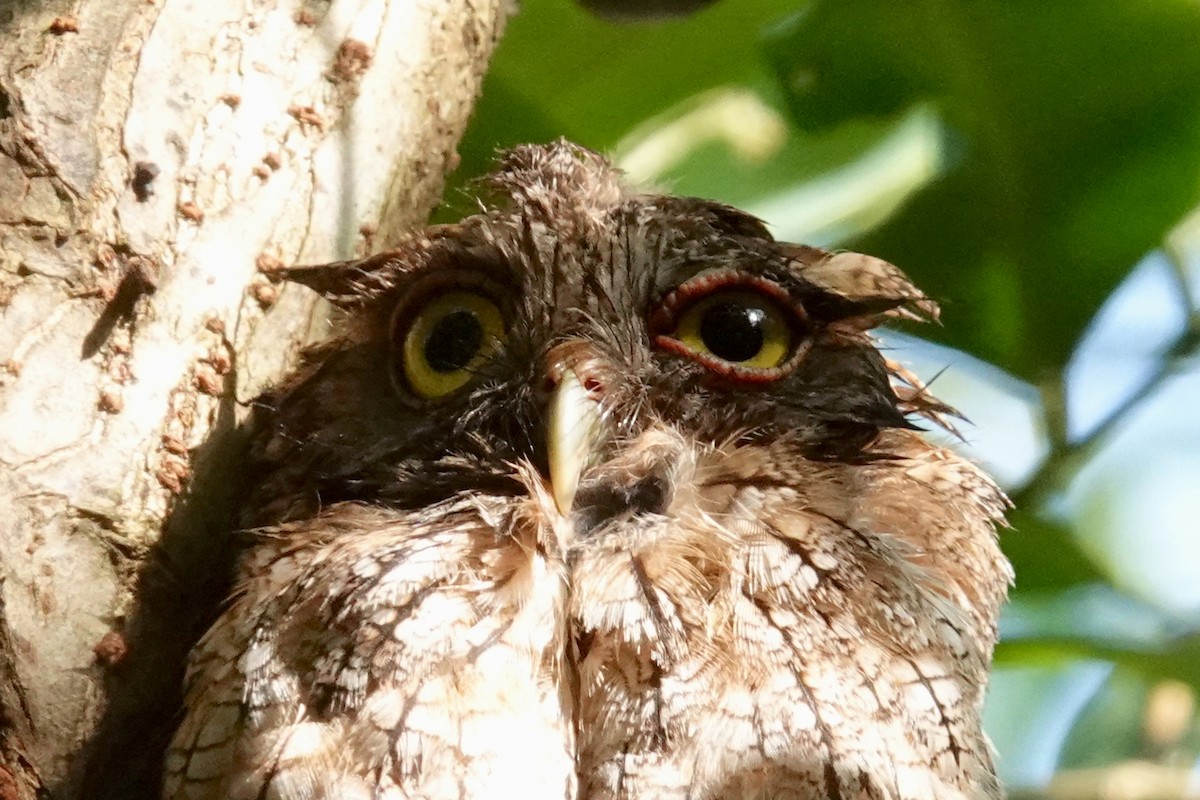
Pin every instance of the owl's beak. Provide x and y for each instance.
(573, 428)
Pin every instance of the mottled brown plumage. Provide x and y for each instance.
(765, 585)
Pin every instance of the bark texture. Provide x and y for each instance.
(158, 159)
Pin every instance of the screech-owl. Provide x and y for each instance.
(594, 495)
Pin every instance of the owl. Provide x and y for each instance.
(601, 495)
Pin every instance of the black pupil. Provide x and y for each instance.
(455, 339)
(733, 332)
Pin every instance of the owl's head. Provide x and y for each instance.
(591, 337)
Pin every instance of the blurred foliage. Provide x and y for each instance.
(1046, 554)
(1017, 158)
(562, 72)
(1077, 128)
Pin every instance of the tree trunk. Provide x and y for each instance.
(158, 158)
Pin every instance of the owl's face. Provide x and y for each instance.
(601, 495)
(579, 330)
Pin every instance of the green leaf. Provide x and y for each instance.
(1074, 133)
(595, 79)
(1108, 729)
(1178, 659)
(560, 71)
(1045, 556)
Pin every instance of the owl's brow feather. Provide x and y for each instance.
(532, 254)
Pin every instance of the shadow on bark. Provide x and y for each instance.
(179, 591)
(13, 10)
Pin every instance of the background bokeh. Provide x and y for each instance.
(1035, 166)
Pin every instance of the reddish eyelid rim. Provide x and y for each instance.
(685, 295)
(666, 317)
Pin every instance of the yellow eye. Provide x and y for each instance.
(447, 341)
(741, 328)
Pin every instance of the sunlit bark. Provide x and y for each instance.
(158, 158)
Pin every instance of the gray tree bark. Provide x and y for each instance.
(158, 159)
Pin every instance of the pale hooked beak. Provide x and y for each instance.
(573, 429)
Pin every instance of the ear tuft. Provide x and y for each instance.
(348, 283)
(881, 288)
